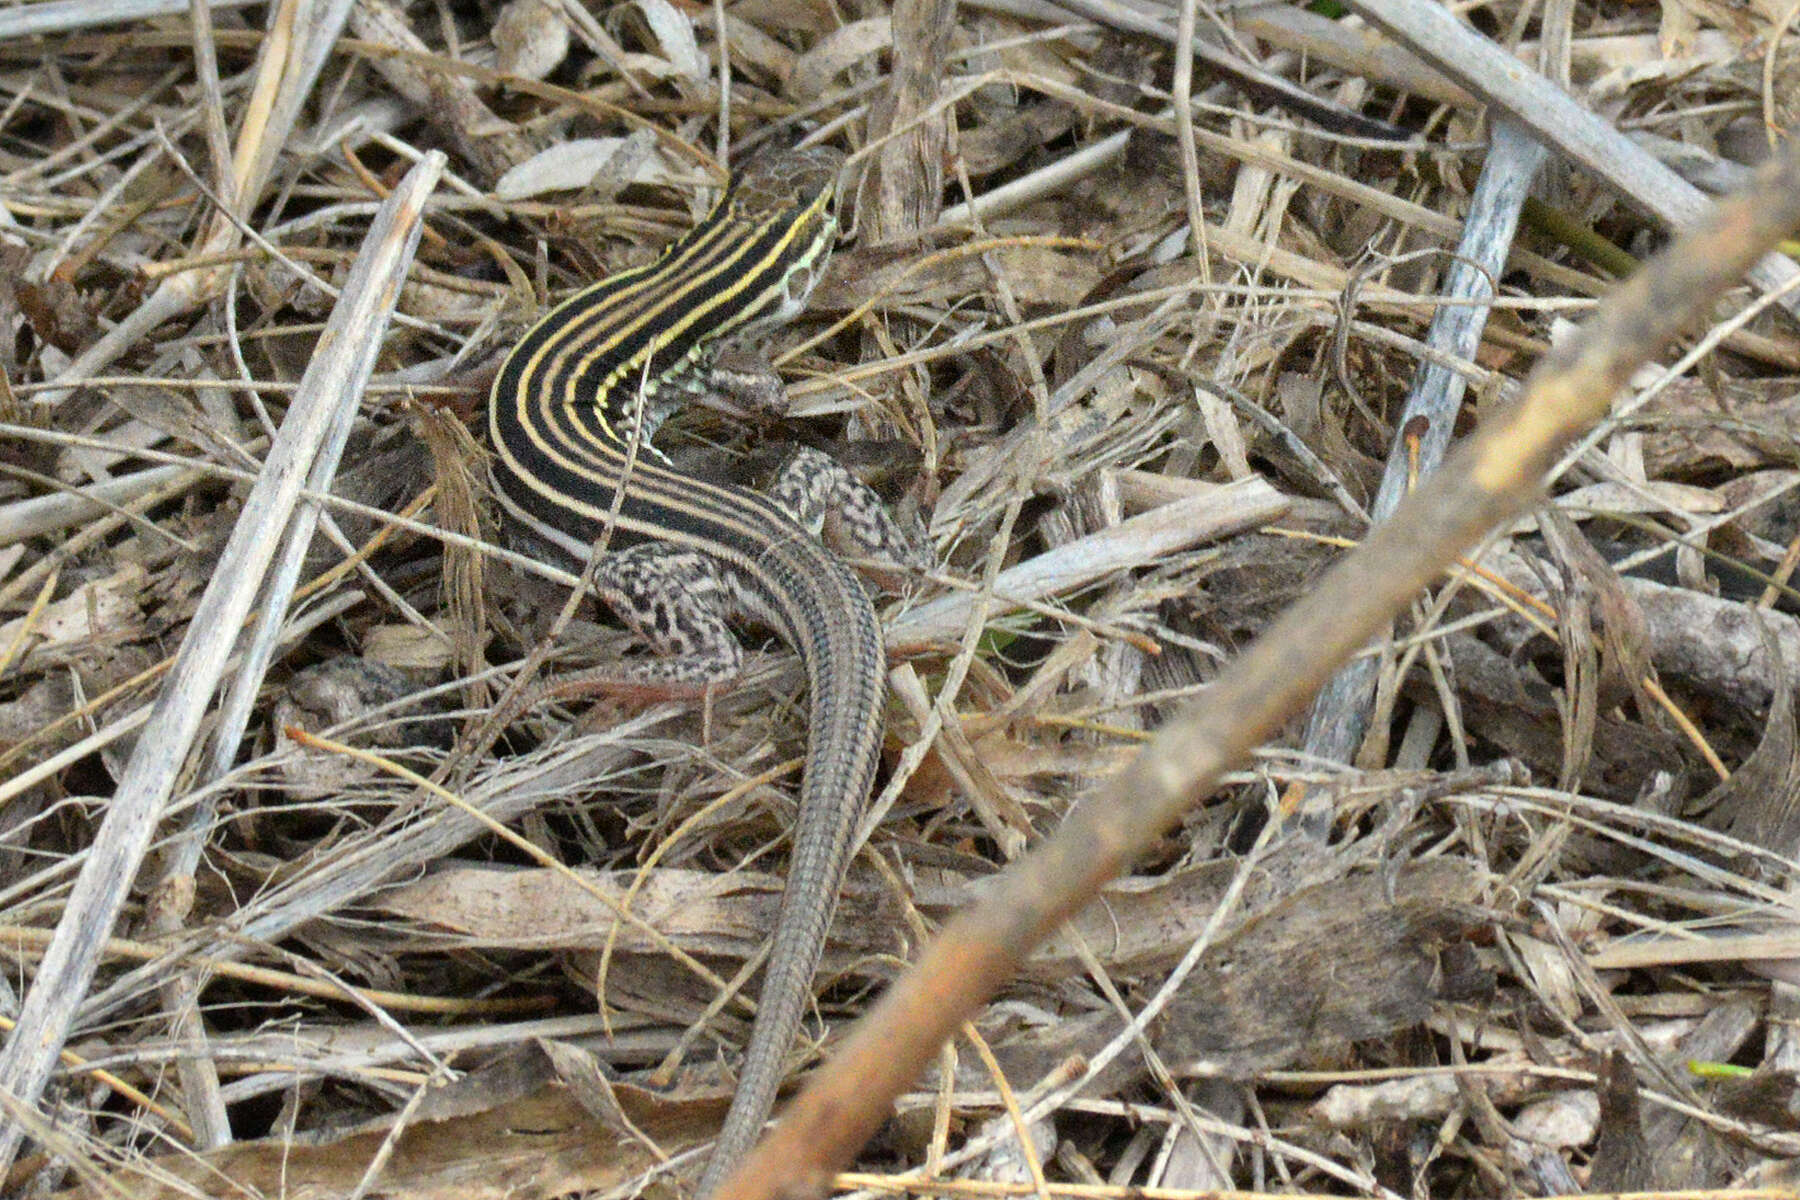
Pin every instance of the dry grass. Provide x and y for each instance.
(1537, 936)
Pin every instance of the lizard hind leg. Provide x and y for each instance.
(680, 602)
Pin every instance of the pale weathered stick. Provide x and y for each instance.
(339, 368)
(63, 16)
(1494, 476)
(1430, 31)
(1340, 715)
(1144, 540)
(1356, 50)
(181, 859)
(55, 511)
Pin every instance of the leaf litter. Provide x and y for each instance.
(1532, 936)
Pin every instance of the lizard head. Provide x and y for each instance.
(783, 201)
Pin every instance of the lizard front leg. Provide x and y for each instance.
(841, 510)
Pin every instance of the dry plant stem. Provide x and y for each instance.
(1258, 84)
(1149, 537)
(62, 16)
(117, 727)
(1006, 1189)
(1340, 714)
(361, 863)
(1182, 93)
(1358, 52)
(206, 70)
(292, 59)
(449, 101)
(1430, 31)
(25, 940)
(175, 888)
(174, 894)
(56, 511)
(1494, 476)
(339, 368)
(15, 784)
(1080, 163)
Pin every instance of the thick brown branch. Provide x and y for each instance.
(1494, 476)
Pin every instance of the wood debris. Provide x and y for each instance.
(1523, 925)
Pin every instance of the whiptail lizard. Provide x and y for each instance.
(570, 418)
